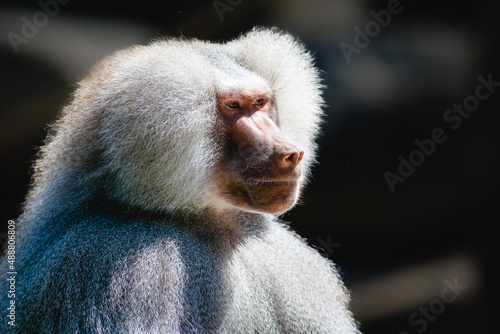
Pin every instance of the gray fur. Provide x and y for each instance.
(122, 232)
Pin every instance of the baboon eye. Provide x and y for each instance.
(233, 104)
(261, 102)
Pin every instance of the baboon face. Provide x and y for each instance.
(261, 169)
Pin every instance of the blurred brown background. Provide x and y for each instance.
(419, 259)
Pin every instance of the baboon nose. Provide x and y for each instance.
(291, 160)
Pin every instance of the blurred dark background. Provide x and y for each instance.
(398, 251)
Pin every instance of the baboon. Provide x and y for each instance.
(155, 199)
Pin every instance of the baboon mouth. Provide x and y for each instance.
(265, 182)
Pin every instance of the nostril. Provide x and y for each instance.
(292, 159)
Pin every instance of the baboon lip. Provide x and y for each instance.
(270, 182)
